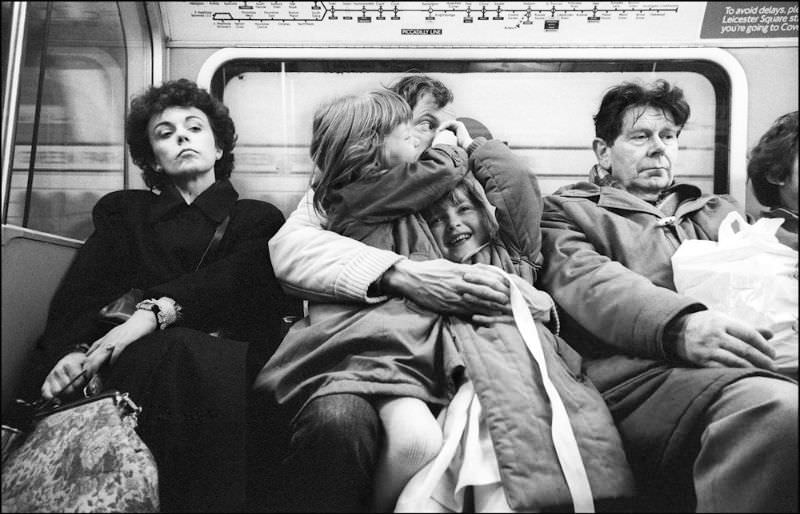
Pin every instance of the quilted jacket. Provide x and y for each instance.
(396, 347)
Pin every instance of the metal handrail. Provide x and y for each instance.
(16, 48)
(37, 114)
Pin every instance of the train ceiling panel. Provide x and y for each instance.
(467, 24)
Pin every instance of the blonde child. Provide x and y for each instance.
(369, 350)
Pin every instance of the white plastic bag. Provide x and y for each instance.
(749, 275)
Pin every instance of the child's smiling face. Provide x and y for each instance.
(459, 227)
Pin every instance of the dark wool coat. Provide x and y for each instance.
(153, 242)
(191, 386)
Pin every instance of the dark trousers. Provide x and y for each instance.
(332, 455)
(192, 389)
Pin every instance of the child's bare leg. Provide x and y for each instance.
(413, 438)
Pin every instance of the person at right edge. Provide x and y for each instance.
(772, 171)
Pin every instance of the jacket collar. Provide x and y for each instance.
(215, 202)
(678, 199)
(602, 177)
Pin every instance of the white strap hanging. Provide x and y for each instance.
(566, 445)
(421, 486)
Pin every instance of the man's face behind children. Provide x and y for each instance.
(459, 227)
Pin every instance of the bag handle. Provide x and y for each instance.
(726, 231)
(763, 228)
(214, 243)
(41, 407)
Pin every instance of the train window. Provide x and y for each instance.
(69, 134)
(542, 109)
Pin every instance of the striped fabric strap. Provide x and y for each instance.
(566, 445)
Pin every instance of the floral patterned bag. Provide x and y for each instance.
(82, 457)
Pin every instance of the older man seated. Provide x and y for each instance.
(706, 423)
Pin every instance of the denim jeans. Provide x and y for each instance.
(332, 455)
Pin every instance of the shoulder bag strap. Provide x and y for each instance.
(214, 243)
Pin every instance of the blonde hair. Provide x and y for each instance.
(347, 139)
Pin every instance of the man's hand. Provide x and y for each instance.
(712, 339)
(450, 288)
(64, 372)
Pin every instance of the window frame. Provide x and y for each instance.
(138, 54)
(733, 183)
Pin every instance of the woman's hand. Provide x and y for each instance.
(110, 346)
(105, 349)
(60, 379)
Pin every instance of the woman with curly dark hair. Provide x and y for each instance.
(772, 170)
(209, 318)
(179, 93)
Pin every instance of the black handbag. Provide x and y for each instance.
(121, 309)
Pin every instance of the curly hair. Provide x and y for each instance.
(618, 99)
(347, 139)
(177, 93)
(772, 159)
(412, 87)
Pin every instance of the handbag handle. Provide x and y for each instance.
(42, 405)
(214, 243)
